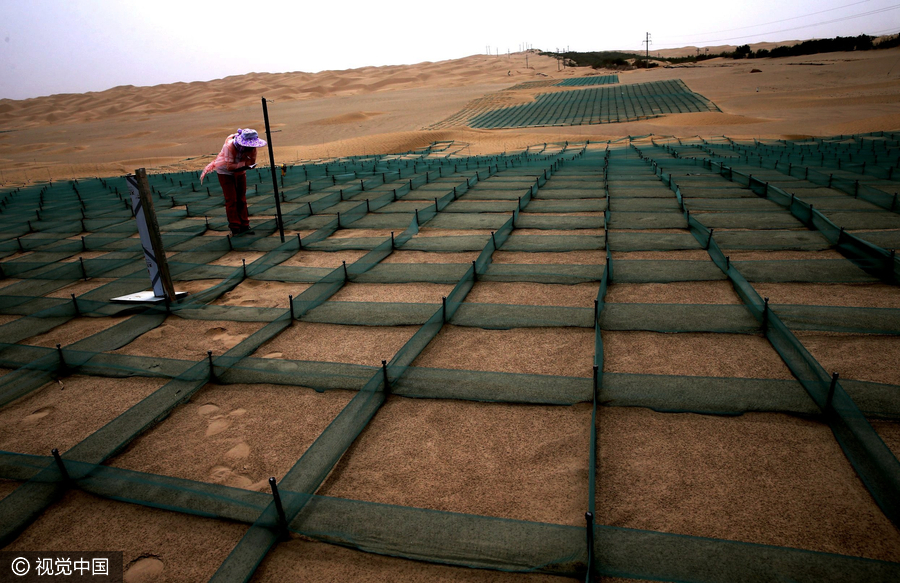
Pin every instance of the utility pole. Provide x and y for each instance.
(647, 41)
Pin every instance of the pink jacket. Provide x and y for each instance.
(230, 158)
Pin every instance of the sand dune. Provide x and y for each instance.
(388, 109)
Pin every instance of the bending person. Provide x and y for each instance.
(237, 156)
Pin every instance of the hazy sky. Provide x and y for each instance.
(73, 46)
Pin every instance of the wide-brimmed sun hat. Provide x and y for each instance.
(249, 139)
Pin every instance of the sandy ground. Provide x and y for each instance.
(400, 256)
(63, 412)
(550, 258)
(548, 351)
(761, 477)
(581, 295)
(410, 454)
(367, 345)
(320, 116)
(157, 545)
(190, 339)
(692, 354)
(863, 357)
(426, 293)
(262, 294)
(236, 435)
(679, 292)
(332, 259)
(870, 295)
(74, 330)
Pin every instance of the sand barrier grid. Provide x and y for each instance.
(365, 190)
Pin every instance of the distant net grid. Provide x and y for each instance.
(607, 103)
(638, 187)
(613, 104)
(584, 81)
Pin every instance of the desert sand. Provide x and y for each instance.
(765, 478)
(384, 109)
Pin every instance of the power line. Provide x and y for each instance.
(869, 13)
(775, 21)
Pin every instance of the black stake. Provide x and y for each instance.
(387, 383)
(244, 265)
(212, 373)
(765, 316)
(346, 277)
(282, 519)
(62, 361)
(830, 398)
(274, 174)
(83, 270)
(62, 466)
(589, 519)
(291, 305)
(444, 306)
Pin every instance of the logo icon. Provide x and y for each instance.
(20, 566)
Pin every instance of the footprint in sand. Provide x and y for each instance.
(207, 409)
(217, 426)
(273, 355)
(145, 570)
(226, 476)
(37, 415)
(219, 334)
(239, 451)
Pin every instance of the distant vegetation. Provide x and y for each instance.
(620, 61)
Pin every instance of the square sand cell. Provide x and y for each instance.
(429, 232)
(674, 255)
(190, 339)
(64, 412)
(158, 545)
(413, 293)
(584, 257)
(236, 435)
(74, 330)
(786, 255)
(862, 357)
(545, 351)
(692, 354)
(301, 559)
(366, 345)
(401, 256)
(235, 258)
(262, 294)
(679, 292)
(764, 478)
(328, 259)
(362, 233)
(861, 295)
(581, 295)
(525, 462)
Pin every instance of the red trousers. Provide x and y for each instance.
(234, 188)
